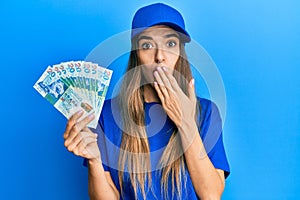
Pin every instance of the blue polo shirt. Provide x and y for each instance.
(159, 128)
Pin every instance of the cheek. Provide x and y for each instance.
(145, 57)
(147, 73)
(173, 58)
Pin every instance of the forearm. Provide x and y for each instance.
(98, 185)
(205, 178)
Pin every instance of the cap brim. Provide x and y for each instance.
(184, 36)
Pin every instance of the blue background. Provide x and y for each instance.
(254, 43)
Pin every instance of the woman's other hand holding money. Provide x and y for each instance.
(79, 139)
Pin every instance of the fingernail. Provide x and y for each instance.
(155, 83)
(84, 152)
(192, 82)
(80, 112)
(159, 68)
(155, 73)
(165, 69)
(91, 116)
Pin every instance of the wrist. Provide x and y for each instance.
(188, 132)
(94, 161)
(95, 168)
(187, 126)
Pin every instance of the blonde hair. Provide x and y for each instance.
(135, 151)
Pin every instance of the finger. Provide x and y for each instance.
(172, 79)
(83, 145)
(86, 129)
(71, 144)
(80, 149)
(73, 119)
(161, 85)
(164, 78)
(82, 136)
(83, 123)
(78, 127)
(159, 93)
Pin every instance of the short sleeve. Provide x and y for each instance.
(212, 136)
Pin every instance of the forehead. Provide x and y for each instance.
(158, 30)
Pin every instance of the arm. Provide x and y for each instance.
(81, 141)
(98, 178)
(207, 180)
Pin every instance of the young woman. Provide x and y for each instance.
(149, 143)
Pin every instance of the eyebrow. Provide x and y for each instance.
(171, 35)
(165, 36)
(145, 37)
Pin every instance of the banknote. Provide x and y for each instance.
(75, 85)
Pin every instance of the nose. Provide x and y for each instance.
(159, 56)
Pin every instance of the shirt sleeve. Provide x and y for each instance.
(212, 136)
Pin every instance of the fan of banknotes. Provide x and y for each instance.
(75, 85)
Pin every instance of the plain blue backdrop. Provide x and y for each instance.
(255, 45)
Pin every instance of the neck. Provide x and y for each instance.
(150, 95)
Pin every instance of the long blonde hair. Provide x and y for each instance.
(135, 151)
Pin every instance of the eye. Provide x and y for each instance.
(171, 43)
(147, 45)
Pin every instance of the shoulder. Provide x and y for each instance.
(208, 117)
(207, 107)
(206, 103)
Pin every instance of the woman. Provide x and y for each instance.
(149, 141)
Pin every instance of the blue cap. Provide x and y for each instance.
(158, 14)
